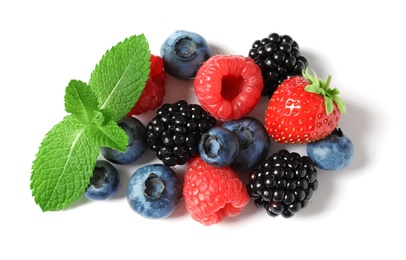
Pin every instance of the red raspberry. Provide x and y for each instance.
(212, 193)
(153, 94)
(228, 86)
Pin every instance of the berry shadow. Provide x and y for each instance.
(125, 175)
(315, 63)
(216, 49)
(82, 200)
(177, 89)
(181, 209)
(321, 198)
(249, 212)
(356, 125)
(260, 109)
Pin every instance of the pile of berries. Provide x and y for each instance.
(218, 141)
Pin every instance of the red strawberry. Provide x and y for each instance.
(303, 109)
(228, 86)
(212, 193)
(154, 91)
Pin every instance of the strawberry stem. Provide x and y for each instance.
(328, 81)
(322, 88)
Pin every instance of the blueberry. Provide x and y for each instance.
(154, 191)
(218, 146)
(331, 153)
(183, 53)
(254, 142)
(137, 142)
(104, 183)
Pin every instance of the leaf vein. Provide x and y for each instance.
(131, 61)
(65, 166)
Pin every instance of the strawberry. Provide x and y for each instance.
(303, 109)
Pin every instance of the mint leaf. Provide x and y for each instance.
(119, 78)
(80, 100)
(64, 164)
(66, 158)
(109, 135)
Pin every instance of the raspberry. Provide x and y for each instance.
(175, 132)
(153, 94)
(212, 193)
(228, 86)
(283, 184)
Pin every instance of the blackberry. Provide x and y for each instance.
(174, 133)
(283, 184)
(279, 57)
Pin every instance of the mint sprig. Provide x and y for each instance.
(66, 158)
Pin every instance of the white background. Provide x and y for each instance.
(357, 212)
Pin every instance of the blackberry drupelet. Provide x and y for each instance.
(283, 184)
(279, 57)
(174, 133)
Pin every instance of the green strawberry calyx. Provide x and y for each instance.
(322, 88)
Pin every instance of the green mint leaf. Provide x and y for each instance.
(80, 100)
(64, 164)
(119, 78)
(109, 135)
(99, 118)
